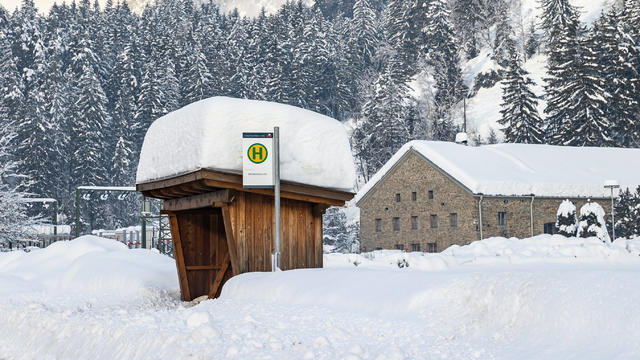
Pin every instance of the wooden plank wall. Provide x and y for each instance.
(252, 218)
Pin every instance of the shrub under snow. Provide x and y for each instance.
(567, 222)
(592, 222)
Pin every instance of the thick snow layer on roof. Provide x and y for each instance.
(524, 169)
(314, 149)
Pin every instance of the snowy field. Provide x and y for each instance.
(540, 298)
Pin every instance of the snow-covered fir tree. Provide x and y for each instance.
(591, 222)
(520, 118)
(627, 213)
(567, 219)
(337, 233)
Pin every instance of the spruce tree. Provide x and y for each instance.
(626, 223)
(443, 58)
(519, 106)
(592, 222)
(566, 219)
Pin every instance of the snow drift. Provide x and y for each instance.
(314, 149)
(544, 297)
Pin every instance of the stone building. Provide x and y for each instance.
(431, 195)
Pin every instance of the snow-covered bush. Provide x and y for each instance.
(567, 221)
(592, 222)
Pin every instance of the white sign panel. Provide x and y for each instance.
(257, 160)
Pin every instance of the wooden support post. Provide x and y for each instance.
(179, 256)
(231, 243)
(218, 281)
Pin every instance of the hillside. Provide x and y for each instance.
(483, 109)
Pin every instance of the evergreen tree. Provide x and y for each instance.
(342, 237)
(382, 130)
(592, 222)
(615, 60)
(567, 220)
(532, 41)
(627, 222)
(559, 18)
(503, 46)
(443, 58)
(519, 106)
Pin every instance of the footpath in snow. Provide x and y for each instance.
(546, 297)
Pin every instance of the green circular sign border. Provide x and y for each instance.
(265, 150)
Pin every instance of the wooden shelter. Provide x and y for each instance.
(221, 229)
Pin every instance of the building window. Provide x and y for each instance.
(453, 220)
(378, 225)
(398, 197)
(378, 248)
(414, 196)
(415, 247)
(502, 218)
(548, 228)
(434, 221)
(430, 194)
(399, 246)
(396, 224)
(414, 223)
(433, 247)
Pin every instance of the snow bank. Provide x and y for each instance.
(525, 169)
(87, 267)
(207, 134)
(474, 302)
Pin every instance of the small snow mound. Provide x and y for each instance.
(314, 149)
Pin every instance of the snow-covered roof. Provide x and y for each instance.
(524, 169)
(314, 149)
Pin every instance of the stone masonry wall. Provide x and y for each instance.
(414, 174)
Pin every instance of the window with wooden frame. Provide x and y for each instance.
(415, 247)
(398, 197)
(399, 246)
(502, 218)
(396, 224)
(433, 247)
(414, 223)
(453, 220)
(434, 221)
(378, 225)
(430, 194)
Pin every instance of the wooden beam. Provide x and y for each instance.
(179, 256)
(211, 180)
(198, 201)
(202, 267)
(231, 242)
(219, 277)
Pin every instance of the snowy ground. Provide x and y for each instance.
(541, 298)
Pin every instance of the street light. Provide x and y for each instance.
(612, 184)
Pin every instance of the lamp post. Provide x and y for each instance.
(612, 184)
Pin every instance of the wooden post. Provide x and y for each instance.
(179, 256)
(231, 242)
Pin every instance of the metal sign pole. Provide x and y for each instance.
(276, 191)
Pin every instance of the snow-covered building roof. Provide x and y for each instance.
(524, 169)
(314, 149)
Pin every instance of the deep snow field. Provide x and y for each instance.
(546, 297)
